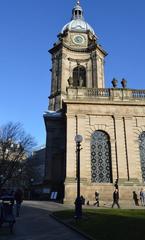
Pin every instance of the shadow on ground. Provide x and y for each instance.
(35, 223)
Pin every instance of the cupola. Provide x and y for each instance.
(77, 23)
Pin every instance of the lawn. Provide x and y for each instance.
(109, 224)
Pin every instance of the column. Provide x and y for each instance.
(71, 147)
(134, 167)
(120, 148)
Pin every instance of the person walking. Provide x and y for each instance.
(135, 198)
(18, 199)
(97, 198)
(116, 198)
(142, 197)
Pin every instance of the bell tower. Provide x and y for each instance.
(77, 59)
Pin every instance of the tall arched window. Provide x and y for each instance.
(101, 169)
(79, 76)
(142, 153)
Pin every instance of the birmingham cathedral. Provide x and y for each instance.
(110, 120)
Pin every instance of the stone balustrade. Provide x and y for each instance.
(138, 94)
(115, 94)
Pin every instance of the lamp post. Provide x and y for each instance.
(78, 201)
(1, 179)
(31, 188)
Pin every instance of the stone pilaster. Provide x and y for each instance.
(94, 70)
(120, 148)
(71, 146)
(130, 148)
(100, 72)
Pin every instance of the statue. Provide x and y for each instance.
(70, 81)
(81, 81)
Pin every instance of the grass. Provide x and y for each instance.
(109, 224)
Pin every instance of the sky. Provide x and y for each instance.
(28, 29)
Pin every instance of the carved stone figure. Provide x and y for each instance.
(81, 81)
(70, 82)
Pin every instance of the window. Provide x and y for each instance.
(101, 169)
(142, 153)
(79, 77)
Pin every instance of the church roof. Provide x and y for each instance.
(77, 23)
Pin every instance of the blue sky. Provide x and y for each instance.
(28, 28)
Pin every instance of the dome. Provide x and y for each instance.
(78, 24)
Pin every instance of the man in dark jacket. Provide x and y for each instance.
(97, 198)
(116, 198)
(19, 199)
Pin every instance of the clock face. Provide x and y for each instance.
(79, 39)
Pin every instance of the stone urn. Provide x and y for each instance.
(114, 82)
(124, 83)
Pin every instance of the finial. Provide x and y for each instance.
(77, 12)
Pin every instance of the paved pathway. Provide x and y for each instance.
(36, 224)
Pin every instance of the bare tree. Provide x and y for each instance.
(15, 146)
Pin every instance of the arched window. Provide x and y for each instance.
(101, 169)
(79, 77)
(142, 153)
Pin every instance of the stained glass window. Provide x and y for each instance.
(101, 169)
(142, 153)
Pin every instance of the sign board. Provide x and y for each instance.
(46, 190)
(53, 195)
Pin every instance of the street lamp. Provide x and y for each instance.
(1, 179)
(78, 201)
(31, 188)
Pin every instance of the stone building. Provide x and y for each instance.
(111, 120)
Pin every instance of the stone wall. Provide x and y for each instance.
(123, 123)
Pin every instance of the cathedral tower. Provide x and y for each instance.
(77, 59)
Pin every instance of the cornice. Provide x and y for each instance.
(102, 50)
(75, 49)
(105, 102)
(55, 48)
(78, 60)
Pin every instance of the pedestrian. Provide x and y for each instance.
(88, 203)
(142, 197)
(18, 199)
(135, 198)
(83, 199)
(116, 198)
(96, 198)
